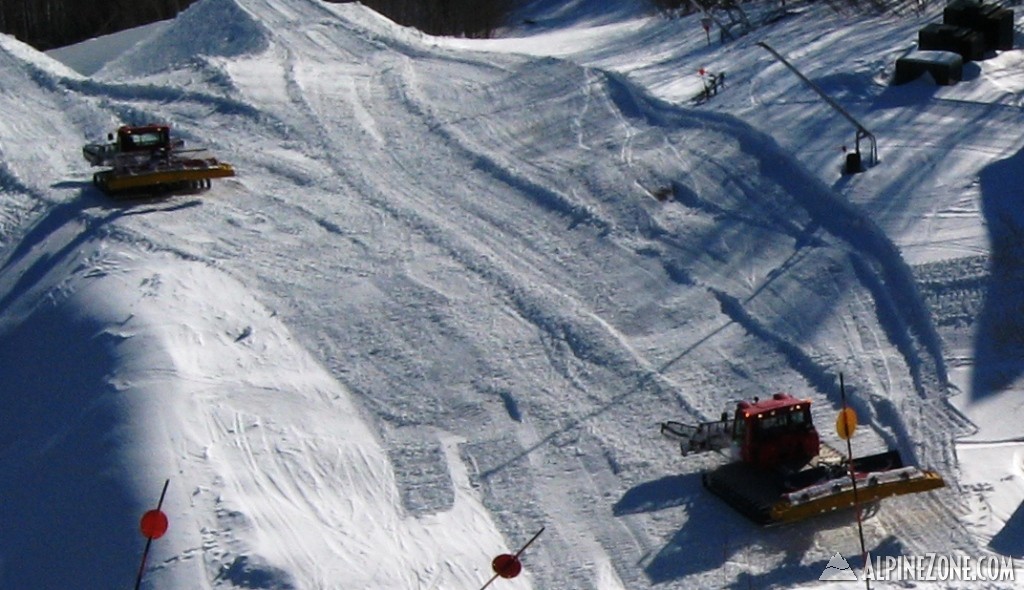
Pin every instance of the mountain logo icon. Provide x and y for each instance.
(838, 570)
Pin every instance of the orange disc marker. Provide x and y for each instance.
(846, 423)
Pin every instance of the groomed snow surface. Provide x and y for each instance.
(456, 285)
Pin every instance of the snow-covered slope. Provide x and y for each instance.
(456, 285)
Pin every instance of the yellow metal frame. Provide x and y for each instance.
(115, 182)
(784, 511)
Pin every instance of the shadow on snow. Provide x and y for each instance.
(715, 538)
(999, 340)
(66, 475)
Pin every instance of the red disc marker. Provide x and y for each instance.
(153, 524)
(507, 565)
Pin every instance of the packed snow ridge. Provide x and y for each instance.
(456, 286)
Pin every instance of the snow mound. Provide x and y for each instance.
(209, 28)
(14, 53)
(89, 56)
(450, 294)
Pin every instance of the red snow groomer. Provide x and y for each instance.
(785, 473)
(146, 159)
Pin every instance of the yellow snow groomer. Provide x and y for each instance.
(146, 160)
(785, 473)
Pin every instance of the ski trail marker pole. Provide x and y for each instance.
(508, 565)
(153, 526)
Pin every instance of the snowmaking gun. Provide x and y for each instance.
(785, 473)
(146, 159)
